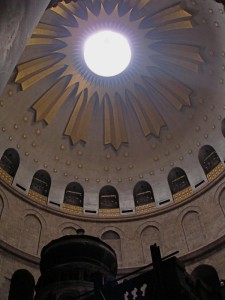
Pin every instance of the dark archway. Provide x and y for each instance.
(223, 127)
(10, 161)
(208, 158)
(143, 193)
(22, 286)
(177, 180)
(41, 183)
(74, 194)
(108, 198)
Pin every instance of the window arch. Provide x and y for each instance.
(143, 193)
(177, 180)
(223, 127)
(149, 235)
(108, 198)
(193, 230)
(10, 161)
(31, 231)
(1, 206)
(113, 239)
(69, 231)
(208, 158)
(41, 183)
(110, 235)
(74, 194)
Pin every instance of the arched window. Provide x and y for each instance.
(113, 239)
(1, 206)
(110, 235)
(223, 127)
(177, 180)
(10, 161)
(150, 235)
(69, 231)
(74, 194)
(108, 198)
(41, 183)
(31, 231)
(143, 193)
(208, 158)
(193, 230)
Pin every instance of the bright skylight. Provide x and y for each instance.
(107, 53)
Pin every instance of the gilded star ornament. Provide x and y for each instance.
(149, 81)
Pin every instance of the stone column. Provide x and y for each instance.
(18, 20)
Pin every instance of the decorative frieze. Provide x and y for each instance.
(215, 172)
(74, 209)
(37, 197)
(183, 194)
(5, 176)
(111, 212)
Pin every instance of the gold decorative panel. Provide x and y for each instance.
(111, 212)
(5, 176)
(146, 208)
(215, 172)
(77, 210)
(183, 194)
(37, 197)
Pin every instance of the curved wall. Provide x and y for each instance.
(196, 228)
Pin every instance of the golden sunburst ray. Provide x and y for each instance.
(79, 122)
(29, 72)
(28, 81)
(115, 128)
(48, 105)
(155, 44)
(174, 15)
(174, 87)
(149, 118)
(52, 31)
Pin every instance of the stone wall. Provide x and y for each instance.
(196, 228)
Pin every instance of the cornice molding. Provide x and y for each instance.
(19, 254)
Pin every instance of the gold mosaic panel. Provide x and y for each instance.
(37, 197)
(146, 208)
(5, 176)
(215, 172)
(183, 194)
(74, 209)
(113, 212)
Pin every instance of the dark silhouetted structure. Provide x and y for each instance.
(74, 265)
(84, 267)
(22, 286)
